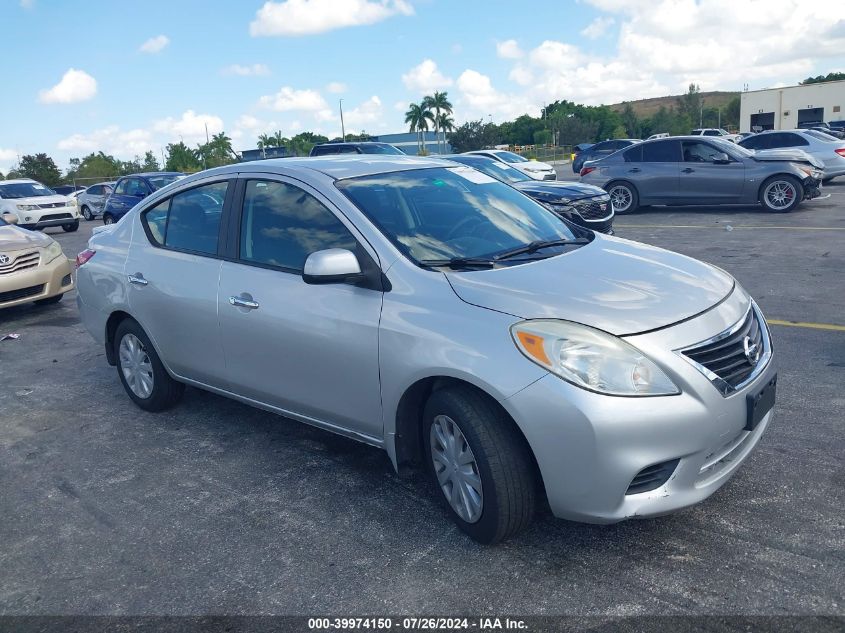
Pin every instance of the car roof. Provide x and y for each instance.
(336, 166)
(351, 143)
(145, 174)
(13, 181)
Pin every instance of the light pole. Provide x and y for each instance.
(342, 128)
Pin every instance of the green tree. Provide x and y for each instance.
(446, 125)
(2, 177)
(40, 167)
(439, 104)
(418, 117)
(730, 117)
(690, 107)
(630, 121)
(823, 78)
(474, 135)
(180, 157)
(95, 165)
(150, 162)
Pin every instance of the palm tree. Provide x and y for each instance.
(418, 116)
(446, 124)
(439, 103)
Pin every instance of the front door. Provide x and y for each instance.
(704, 181)
(173, 270)
(309, 349)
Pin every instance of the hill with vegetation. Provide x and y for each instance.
(647, 108)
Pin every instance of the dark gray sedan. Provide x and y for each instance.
(692, 170)
(93, 199)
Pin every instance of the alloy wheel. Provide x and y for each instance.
(620, 198)
(456, 469)
(136, 366)
(780, 194)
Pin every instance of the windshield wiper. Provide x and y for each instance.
(459, 262)
(536, 245)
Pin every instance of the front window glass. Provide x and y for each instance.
(447, 213)
(24, 190)
(379, 148)
(158, 182)
(282, 225)
(698, 152)
(510, 157)
(120, 190)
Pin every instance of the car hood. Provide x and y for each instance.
(554, 190)
(39, 200)
(537, 165)
(615, 285)
(791, 155)
(14, 238)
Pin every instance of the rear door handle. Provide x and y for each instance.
(688, 170)
(634, 170)
(138, 279)
(241, 302)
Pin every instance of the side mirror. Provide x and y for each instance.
(10, 218)
(333, 265)
(720, 158)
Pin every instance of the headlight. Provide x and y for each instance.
(27, 207)
(591, 359)
(52, 252)
(72, 202)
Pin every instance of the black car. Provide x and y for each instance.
(822, 127)
(363, 147)
(600, 150)
(584, 205)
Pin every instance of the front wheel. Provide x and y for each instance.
(623, 197)
(479, 463)
(141, 371)
(108, 219)
(70, 227)
(781, 194)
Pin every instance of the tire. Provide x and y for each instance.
(49, 300)
(108, 219)
(781, 194)
(623, 197)
(149, 385)
(501, 464)
(86, 213)
(70, 227)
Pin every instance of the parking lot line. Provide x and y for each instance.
(814, 326)
(722, 227)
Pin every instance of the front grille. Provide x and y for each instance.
(652, 477)
(55, 216)
(19, 262)
(52, 205)
(21, 293)
(729, 356)
(591, 208)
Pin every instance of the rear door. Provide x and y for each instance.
(173, 269)
(657, 178)
(703, 181)
(309, 349)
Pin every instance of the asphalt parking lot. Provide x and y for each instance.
(215, 507)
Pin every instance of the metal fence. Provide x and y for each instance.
(544, 153)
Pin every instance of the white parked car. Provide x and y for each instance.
(533, 168)
(716, 131)
(36, 206)
(828, 149)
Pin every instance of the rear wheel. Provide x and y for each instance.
(623, 197)
(108, 219)
(86, 213)
(141, 371)
(70, 227)
(479, 463)
(781, 194)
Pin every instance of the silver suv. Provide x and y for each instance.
(92, 201)
(426, 308)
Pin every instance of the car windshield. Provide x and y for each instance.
(379, 149)
(499, 171)
(158, 182)
(510, 157)
(731, 149)
(440, 214)
(822, 136)
(24, 190)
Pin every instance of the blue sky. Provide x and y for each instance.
(82, 76)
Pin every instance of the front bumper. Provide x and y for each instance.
(52, 217)
(590, 447)
(38, 283)
(812, 187)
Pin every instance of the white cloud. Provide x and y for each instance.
(75, 86)
(306, 17)
(364, 115)
(336, 87)
(479, 98)
(425, 78)
(521, 75)
(509, 49)
(457, 48)
(246, 71)
(27, 4)
(155, 44)
(597, 27)
(290, 99)
(8, 157)
(111, 140)
(190, 127)
(555, 55)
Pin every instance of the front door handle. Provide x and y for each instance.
(634, 170)
(138, 279)
(688, 170)
(241, 302)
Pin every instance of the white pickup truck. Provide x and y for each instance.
(716, 131)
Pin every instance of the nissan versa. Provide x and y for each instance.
(425, 308)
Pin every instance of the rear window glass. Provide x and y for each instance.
(188, 221)
(661, 152)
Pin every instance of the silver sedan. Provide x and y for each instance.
(427, 309)
(824, 147)
(696, 170)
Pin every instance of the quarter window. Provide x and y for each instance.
(282, 224)
(633, 155)
(190, 220)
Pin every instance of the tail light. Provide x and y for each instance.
(84, 256)
(586, 170)
(840, 151)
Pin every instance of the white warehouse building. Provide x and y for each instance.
(785, 108)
